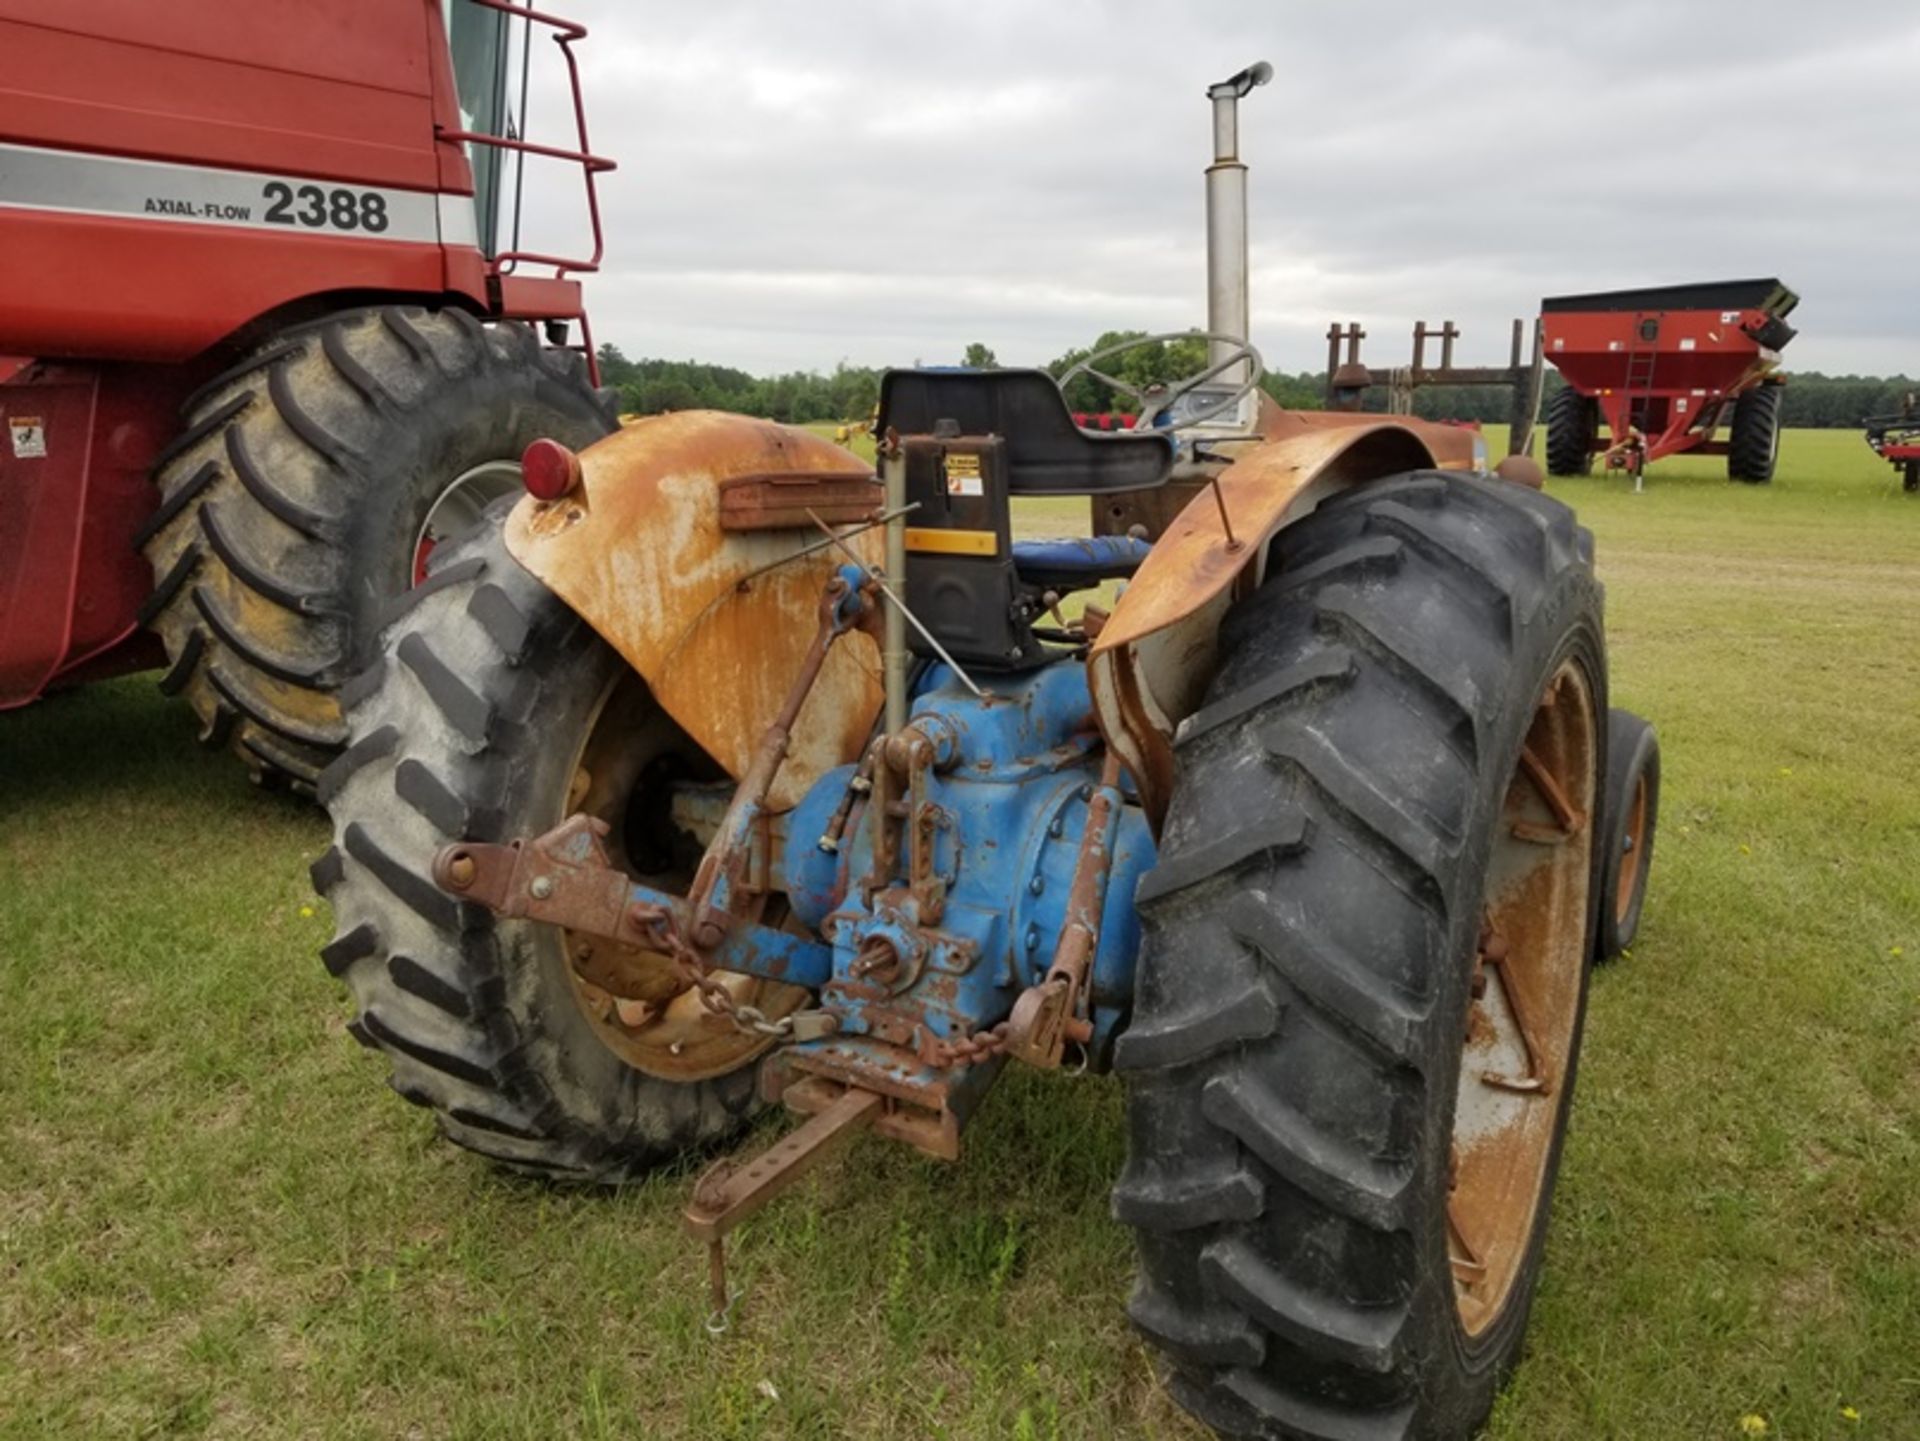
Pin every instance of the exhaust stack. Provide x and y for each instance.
(1227, 214)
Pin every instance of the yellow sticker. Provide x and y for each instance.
(963, 473)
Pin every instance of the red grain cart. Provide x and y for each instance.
(1665, 368)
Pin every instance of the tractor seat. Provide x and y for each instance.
(1047, 454)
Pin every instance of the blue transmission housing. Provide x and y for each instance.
(933, 941)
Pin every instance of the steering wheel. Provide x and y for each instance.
(1156, 400)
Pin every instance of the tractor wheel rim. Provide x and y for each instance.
(667, 1032)
(1521, 1021)
(459, 508)
(1633, 862)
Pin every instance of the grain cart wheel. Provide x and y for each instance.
(1573, 421)
(1364, 967)
(495, 712)
(1753, 439)
(1631, 816)
(306, 492)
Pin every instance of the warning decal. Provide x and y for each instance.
(29, 437)
(963, 474)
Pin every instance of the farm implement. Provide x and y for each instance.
(1896, 440)
(1349, 379)
(1665, 369)
(732, 771)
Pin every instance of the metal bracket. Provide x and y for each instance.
(1047, 1016)
(566, 879)
(729, 1192)
(1495, 952)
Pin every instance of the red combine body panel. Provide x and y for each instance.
(181, 183)
(1667, 365)
(174, 172)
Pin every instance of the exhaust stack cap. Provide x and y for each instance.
(1235, 87)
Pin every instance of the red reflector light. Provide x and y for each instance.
(549, 470)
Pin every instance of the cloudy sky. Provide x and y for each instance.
(805, 183)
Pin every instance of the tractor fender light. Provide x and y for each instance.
(549, 470)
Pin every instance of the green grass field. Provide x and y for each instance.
(215, 1221)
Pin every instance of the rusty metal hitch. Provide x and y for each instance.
(566, 879)
(729, 1192)
(1048, 1016)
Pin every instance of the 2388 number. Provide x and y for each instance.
(339, 209)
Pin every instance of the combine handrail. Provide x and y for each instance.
(589, 163)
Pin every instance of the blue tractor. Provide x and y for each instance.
(730, 771)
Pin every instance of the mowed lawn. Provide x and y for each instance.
(216, 1221)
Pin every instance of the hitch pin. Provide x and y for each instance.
(898, 604)
(721, 1321)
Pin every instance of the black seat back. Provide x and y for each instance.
(971, 440)
(1046, 453)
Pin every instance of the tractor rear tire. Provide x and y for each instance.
(1753, 439)
(298, 502)
(1342, 825)
(1573, 422)
(473, 726)
(1629, 827)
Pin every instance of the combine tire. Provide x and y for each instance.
(495, 712)
(1631, 815)
(1374, 849)
(1753, 440)
(305, 493)
(1573, 421)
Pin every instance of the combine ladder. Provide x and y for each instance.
(1641, 356)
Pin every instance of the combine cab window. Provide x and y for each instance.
(478, 36)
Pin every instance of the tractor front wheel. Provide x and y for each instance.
(1364, 967)
(1630, 821)
(308, 490)
(495, 712)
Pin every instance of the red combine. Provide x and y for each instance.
(1665, 368)
(268, 321)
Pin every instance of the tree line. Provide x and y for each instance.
(849, 392)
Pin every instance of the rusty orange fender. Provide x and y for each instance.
(1156, 653)
(716, 621)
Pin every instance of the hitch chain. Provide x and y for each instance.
(968, 1049)
(696, 971)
